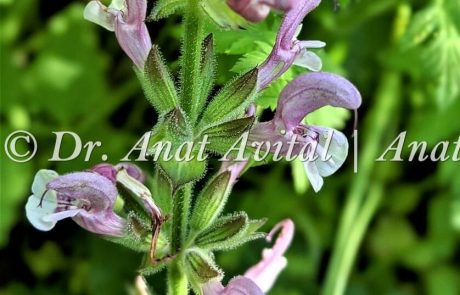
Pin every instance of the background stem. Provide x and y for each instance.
(358, 210)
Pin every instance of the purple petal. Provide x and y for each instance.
(237, 286)
(242, 285)
(313, 91)
(133, 170)
(105, 223)
(106, 170)
(292, 20)
(134, 39)
(270, 136)
(273, 262)
(213, 288)
(285, 50)
(251, 10)
(93, 196)
(94, 188)
(137, 11)
(235, 168)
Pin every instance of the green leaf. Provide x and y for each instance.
(210, 202)
(164, 8)
(158, 84)
(255, 225)
(200, 268)
(162, 191)
(231, 128)
(208, 63)
(220, 235)
(231, 100)
(432, 41)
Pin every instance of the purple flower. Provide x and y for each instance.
(260, 277)
(127, 19)
(265, 272)
(327, 148)
(287, 49)
(258, 10)
(88, 198)
(133, 170)
(109, 171)
(238, 285)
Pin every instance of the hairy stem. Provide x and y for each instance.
(191, 59)
(177, 281)
(181, 210)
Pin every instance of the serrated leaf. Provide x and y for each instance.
(158, 85)
(432, 41)
(222, 232)
(200, 267)
(210, 202)
(233, 98)
(164, 8)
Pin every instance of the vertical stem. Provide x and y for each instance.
(181, 210)
(191, 59)
(348, 236)
(355, 238)
(177, 281)
(190, 89)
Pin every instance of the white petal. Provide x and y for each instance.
(97, 13)
(331, 157)
(42, 177)
(313, 175)
(312, 44)
(309, 60)
(61, 215)
(36, 214)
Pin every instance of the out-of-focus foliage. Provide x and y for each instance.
(59, 72)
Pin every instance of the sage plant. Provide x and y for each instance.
(177, 224)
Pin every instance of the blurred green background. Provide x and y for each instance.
(60, 72)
